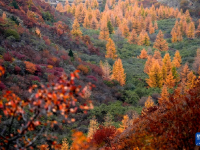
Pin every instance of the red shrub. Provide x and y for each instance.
(83, 68)
(104, 135)
(17, 69)
(2, 86)
(93, 49)
(7, 57)
(34, 78)
(92, 77)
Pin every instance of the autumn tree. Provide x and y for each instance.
(155, 75)
(76, 29)
(94, 24)
(133, 37)
(86, 23)
(177, 59)
(106, 69)
(65, 145)
(143, 54)
(43, 103)
(143, 38)
(191, 80)
(4, 16)
(59, 7)
(149, 102)
(151, 28)
(184, 73)
(160, 43)
(167, 62)
(93, 126)
(196, 64)
(110, 49)
(164, 96)
(191, 30)
(104, 32)
(118, 72)
(148, 64)
(155, 25)
(170, 81)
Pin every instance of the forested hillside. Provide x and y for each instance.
(123, 75)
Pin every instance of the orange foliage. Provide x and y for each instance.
(133, 37)
(83, 68)
(30, 67)
(104, 33)
(118, 72)
(160, 43)
(143, 54)
(111, 51)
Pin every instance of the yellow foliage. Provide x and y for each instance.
(149, 102)
(65, 145)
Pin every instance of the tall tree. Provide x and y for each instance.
(133, 37)
(110, 49)
(167, 62)
(170, 81)
(184, 73)
(118, 72)
(191, 30)
(143, 38)
(155, 76)
(151, 28)
(106, 69)
(155, 25)
(177, 60)
(104, 33)
(164, 95)
(143, 54)
(76, 29)
(160, 43)
(92, 127)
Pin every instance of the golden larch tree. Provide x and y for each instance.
(143, 54)
(184, 73)
(167, 62)
(76, 29)
(155, 25)
(59, 7)
(143, 38)
(92, 127)
(118, 72)
(65, 144)
(177, 59)
(104, 33)
(191, 30)
(86, 23)
(160, 43)
(106, 69)
(133, 37)
(94, 23)
(174, 36)
(170, 81)
(149, 102)
(110, 49)
(164, 72)
(155, 75)
(148, 64)
(151, 28)
(164, 96)
(191, 80)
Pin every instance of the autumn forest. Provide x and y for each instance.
(99, 75)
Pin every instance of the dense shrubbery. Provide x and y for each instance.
(10, 32)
